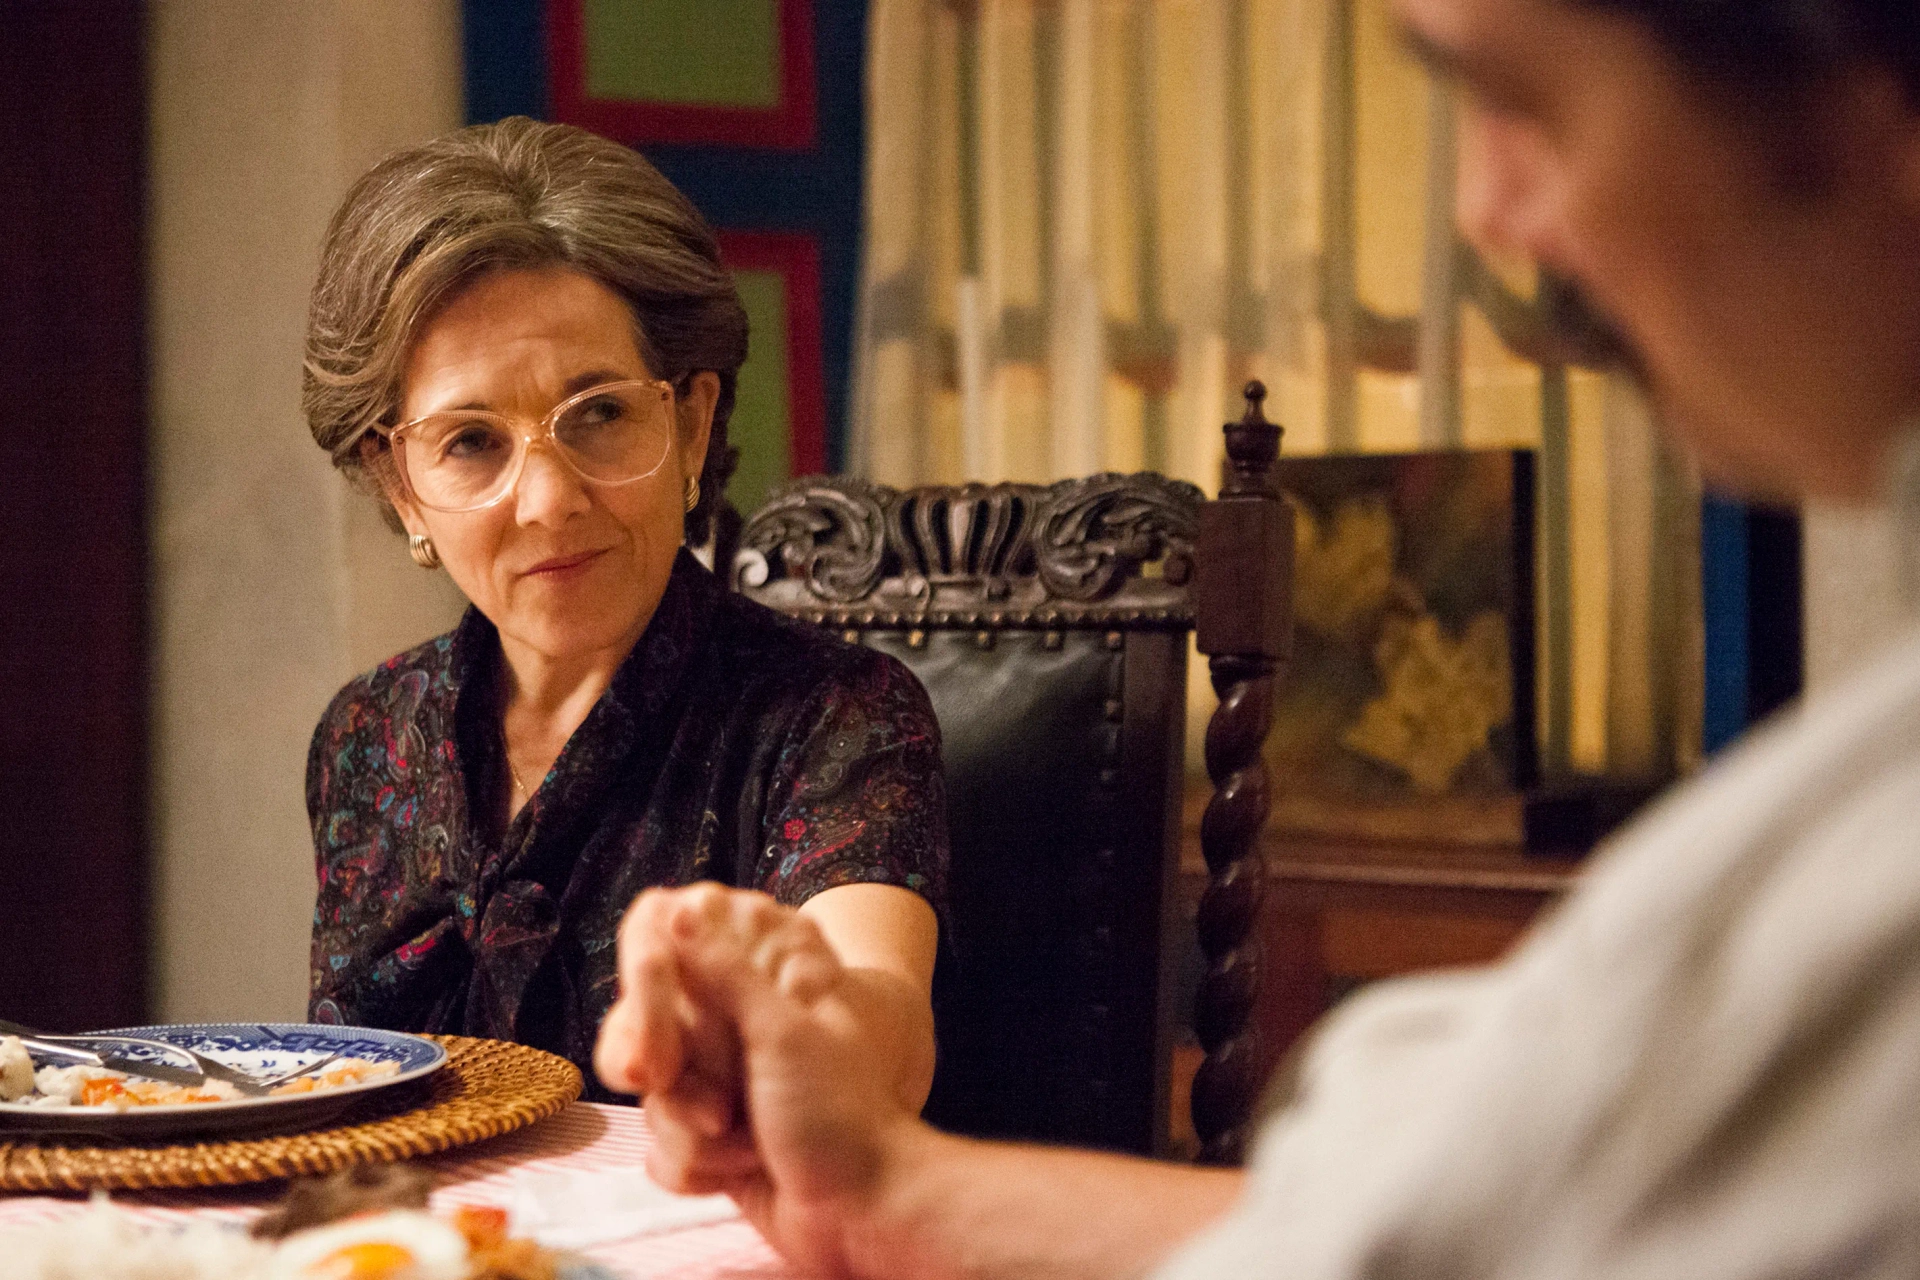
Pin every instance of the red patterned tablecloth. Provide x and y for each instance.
(584, 1137)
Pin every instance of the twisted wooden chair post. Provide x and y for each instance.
(1243, 612)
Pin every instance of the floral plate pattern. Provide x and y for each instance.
(255, 1047)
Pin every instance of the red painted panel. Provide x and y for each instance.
(792, 126)
(795, 256)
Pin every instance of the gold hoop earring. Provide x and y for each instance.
(693, 492)
(424, 553)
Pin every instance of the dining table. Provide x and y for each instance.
(576, 1180)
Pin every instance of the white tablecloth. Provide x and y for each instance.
(594, 1152)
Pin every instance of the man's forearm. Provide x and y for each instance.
(959, 1209)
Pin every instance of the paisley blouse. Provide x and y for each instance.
(733, 745)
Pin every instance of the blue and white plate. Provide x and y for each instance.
(262, 1048)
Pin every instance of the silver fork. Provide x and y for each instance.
(272, 1082)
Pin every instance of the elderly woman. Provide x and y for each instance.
(523, 340)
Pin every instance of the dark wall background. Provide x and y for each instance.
(73, 947)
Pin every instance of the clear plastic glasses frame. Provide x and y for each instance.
(654, 397)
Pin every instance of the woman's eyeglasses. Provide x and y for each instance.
(466, 459)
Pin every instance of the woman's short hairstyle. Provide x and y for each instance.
(427, 221)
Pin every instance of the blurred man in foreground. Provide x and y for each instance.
(1708, 1063)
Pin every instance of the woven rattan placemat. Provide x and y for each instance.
(486, 1089)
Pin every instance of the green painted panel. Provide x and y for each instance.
(716, 53)
(760, 427)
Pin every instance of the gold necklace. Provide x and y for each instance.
(519, 787)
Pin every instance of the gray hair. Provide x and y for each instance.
(427, 221)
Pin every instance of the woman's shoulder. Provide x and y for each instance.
(385, 714)
(397, 687)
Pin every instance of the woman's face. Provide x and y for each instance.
(562, 566)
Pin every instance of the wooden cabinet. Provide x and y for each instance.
(1340, 913)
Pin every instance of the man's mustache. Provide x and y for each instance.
(1579, 333)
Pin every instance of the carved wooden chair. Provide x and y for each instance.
(1049, 626)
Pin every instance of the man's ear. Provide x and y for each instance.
(696, 419)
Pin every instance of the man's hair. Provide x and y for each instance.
(426, 222)
(1772, 51)
(1768, 62)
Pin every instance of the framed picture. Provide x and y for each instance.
(719, 72)
(1408, 711)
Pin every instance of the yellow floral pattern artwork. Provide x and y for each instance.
(1441, 701)
(1406, 711)
(1343, 569)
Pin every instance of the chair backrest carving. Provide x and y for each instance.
(846, 552)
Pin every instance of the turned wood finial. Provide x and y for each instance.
(1253, 445)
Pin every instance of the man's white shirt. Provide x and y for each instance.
(1706, 1063)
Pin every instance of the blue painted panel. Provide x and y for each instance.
(506, 58)
(1724, 590)
(821, 191)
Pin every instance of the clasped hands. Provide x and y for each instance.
(781, 1069)
(754, 1048)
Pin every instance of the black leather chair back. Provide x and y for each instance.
(1049, 626)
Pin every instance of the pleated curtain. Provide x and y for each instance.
(1089, 222)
